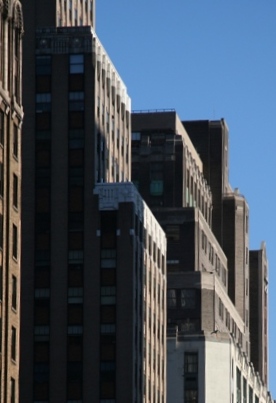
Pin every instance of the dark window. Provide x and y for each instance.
(43, 121)
(76, 64)
(75, 275)
(191, 377)
(41, 351)
(13, 343)
(42, 312)
(171, 298)
(76, 199)
(188, 298)
(1, 179)
(108, 389)
(15, 140)
(43, 84)
(12, 390)
(42, 200)
(14, 241)
(15, 190)
(1, 231)
(74, 346)
(1, 284)
(43, 65)
(76, 101)
(2, 125)
(14, 292)
(108, 314)
(75, 314)
(76, 120)
(238, 386)
(173, 232)
(75, 240)
(108, 229)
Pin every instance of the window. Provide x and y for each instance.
(76, 101)
(135, 136)
(244, 391)
(1, 231)
(156, 179)
(75, 295)
(14, 241)
(238, 385)
(1, 179)
(12, 390)
(76, 64)
(43, 65)
(171, 298)
(14, 292)
(191, 377)
(2, 122)
(15, 140)
(15, 191)
(188, 298)
(43, 102)
(108, 295)
(173, 232)
(13, 343)
(1, 286)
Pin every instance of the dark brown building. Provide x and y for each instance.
(259, 310)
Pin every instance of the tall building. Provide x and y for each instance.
(259, 310)
(133, 285)
(11, 116)
(181, 169)
(94, 311)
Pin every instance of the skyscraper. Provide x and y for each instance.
(181, 169)
(11, 116)
(93, 312)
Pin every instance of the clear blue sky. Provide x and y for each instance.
(209, 59)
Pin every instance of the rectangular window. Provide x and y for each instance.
(15, 140)
(1, 179)
(171, 298)
(43, 65)
(244, 391)
(191, 377)
(14, 292)
(2, 122)
(108, 295)
(15, 191)
(238, 385)
(188, 298)
(13, 343)
(12, 390)
(1, 284)
(173, 232)
(76, 64)
(250, 396)
(14, 241)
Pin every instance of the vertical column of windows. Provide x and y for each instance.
(108, 307)
(75, 225)
(42, 228)
(191, 377)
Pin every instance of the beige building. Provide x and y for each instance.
(11, 116)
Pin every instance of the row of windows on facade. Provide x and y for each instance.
(213, 257)
(230, 322)
(244, 392)
(184, 298)
(195, 196)
(154, 287)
